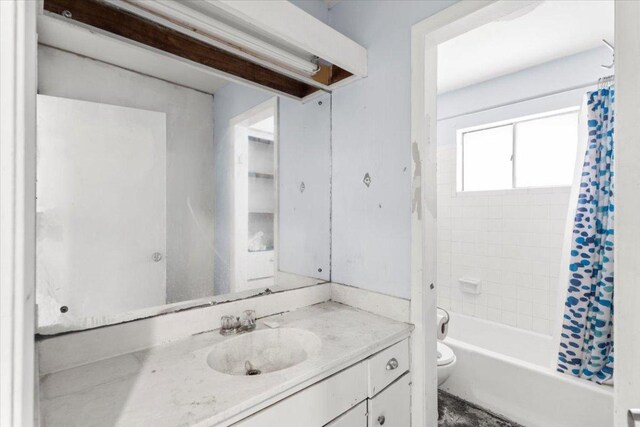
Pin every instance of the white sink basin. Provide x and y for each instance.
(264, 351)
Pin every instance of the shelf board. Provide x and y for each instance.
(261, 175)
(260, 140)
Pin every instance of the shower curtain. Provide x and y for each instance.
(586, 339)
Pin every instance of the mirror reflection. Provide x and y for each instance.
(153, 197)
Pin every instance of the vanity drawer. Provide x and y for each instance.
(317, 404)
(392, 406)
(386, 366)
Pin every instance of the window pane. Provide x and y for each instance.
(487, 159)
(546, 151)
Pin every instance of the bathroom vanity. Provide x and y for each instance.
(329, 364)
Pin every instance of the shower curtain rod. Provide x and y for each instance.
(530, 98)
(613, 55)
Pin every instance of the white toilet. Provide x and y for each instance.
(446, 362)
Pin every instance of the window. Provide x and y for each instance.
(521, 153)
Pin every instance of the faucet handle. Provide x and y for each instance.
(248, 319)
(228, 324)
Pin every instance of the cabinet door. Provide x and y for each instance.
(392, 406)
(316, 405)
(356, 417)
(388, 365)
(101, 209)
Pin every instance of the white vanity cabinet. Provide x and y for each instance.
(392, 407)
(386, 366)
(373, 392)
(354, 417)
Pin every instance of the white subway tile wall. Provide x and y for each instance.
(511, 240)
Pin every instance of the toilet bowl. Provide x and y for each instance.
(446, 362)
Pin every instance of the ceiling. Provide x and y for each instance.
(546, 31)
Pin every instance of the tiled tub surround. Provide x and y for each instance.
(172, 385)
(511, 240)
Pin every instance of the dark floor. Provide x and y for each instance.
(455, 412)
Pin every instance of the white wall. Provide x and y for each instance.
(371, 226)
(190, 155)
(512, 240)
(627, 158)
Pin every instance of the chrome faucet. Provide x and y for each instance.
(236, 325)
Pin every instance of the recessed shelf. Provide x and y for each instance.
(269, 249)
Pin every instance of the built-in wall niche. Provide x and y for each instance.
(262, 180)
(255, 157)
(154, 197)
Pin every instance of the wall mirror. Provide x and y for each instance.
(154, 197)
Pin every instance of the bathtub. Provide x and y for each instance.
(509, 371)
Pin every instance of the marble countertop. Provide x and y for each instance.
(172, 385)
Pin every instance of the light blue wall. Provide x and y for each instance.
(316, 8)
(560, 74)
(521, 94)
(304, 156)
(371, 226)
(371, 233)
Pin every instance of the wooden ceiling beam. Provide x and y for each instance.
(330, 74)
(131, 26)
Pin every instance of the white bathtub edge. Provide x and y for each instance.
(526, 393)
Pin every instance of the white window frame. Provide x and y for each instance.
(486, 126)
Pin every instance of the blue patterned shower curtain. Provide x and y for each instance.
(586, 343)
